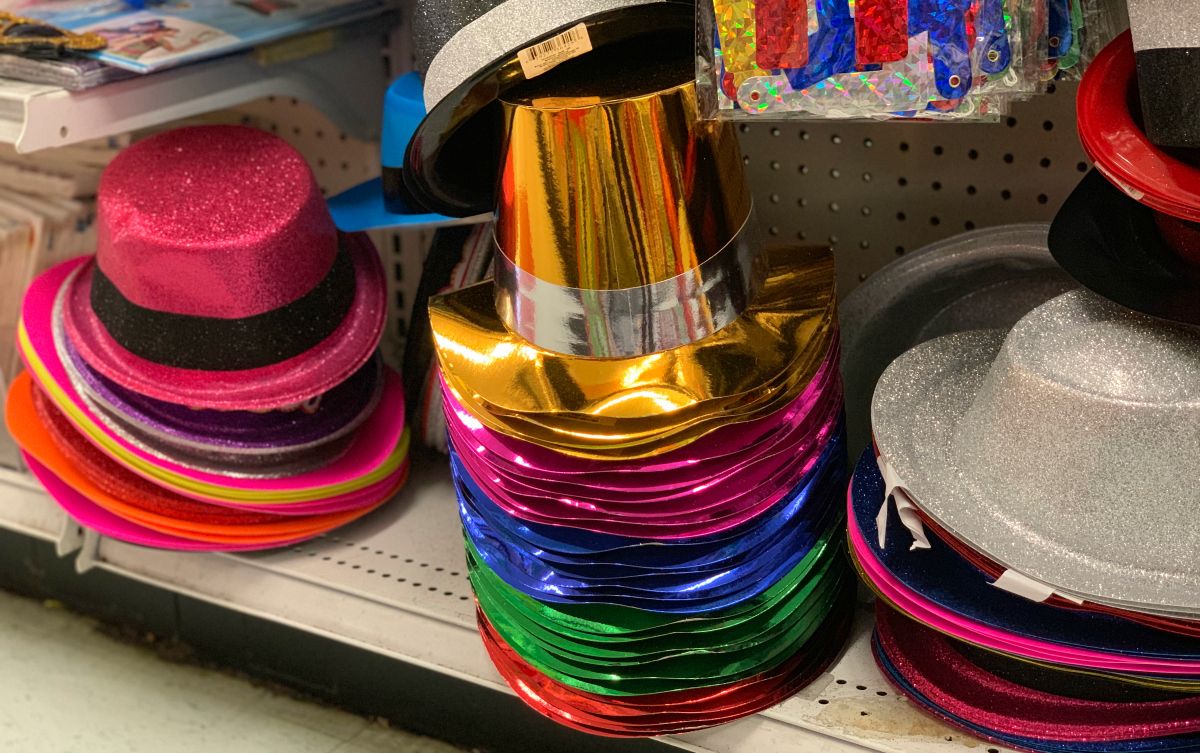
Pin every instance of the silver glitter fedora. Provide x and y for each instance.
(1065, 450)
(472, 51)
(984, 279)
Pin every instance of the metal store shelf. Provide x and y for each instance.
(347, 83)
(395, 583)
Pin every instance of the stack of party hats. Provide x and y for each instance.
(645, 414)
(1026, 497)
(1026, 512)
(210, 379)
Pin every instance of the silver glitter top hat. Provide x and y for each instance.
(1066, 450)
(984, 279)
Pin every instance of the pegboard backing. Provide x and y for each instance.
(875, 191)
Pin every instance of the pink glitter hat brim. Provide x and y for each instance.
(297, 379)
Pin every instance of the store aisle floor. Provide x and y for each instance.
(66, 687)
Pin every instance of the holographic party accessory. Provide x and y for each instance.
(265, 303)
(473, 52)
(971, 427)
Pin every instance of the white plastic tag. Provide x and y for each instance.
(540, 58)
(893, 487)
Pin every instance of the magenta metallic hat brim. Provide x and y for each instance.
(295, 380)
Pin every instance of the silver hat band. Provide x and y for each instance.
(634, 321)
(511, 25)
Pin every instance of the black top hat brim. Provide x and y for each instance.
(453, 161)
(1111, 245)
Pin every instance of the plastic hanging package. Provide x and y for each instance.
(884, 59)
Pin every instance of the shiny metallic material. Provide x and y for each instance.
(1066, 451)
(633, 407)
(633, 321)
(625, 222)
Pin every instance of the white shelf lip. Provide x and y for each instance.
(394, 583)
(347, 83)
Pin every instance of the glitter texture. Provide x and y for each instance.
(475, 40)
(782, 27)
(904, 85)
(939, 673)
(215, 221)
(1070, 458)
(881, 29)
(1159, 24)
(295, 380)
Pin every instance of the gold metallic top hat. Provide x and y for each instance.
(625, 224)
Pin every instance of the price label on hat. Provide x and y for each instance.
(540, 58)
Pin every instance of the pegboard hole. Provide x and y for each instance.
(802, 235)
(1082, 167)
(881, 692)
(864, 245)
(841, 682)
(904, 146)
(805, 136)
(862, 277)
(774, 230)
(937, 186)
(860, 687)
(969, 225)
(823, 701)
(868, 143)
(1045, 162)
(1011, 122)
(971, 190)
(835, 173)
(775, 165)
(935, 221)
(745, 128)
(901, 216)
(1049, 90)
(1043, 198)
(833, 240)
(866, 211)
(1008, 159)
(803, 202)
(804, 169)
(835, 139)
(903, 181)
(1048, 125)
(833, 206)
(1006, 194)
(938, 151)
(776, 132)
(774, 198)
(866, 177)
(972, 154)
(746, 159)
(899, 252)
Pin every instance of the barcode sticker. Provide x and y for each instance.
(540, 58)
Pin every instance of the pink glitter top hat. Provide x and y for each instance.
(220, 280)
